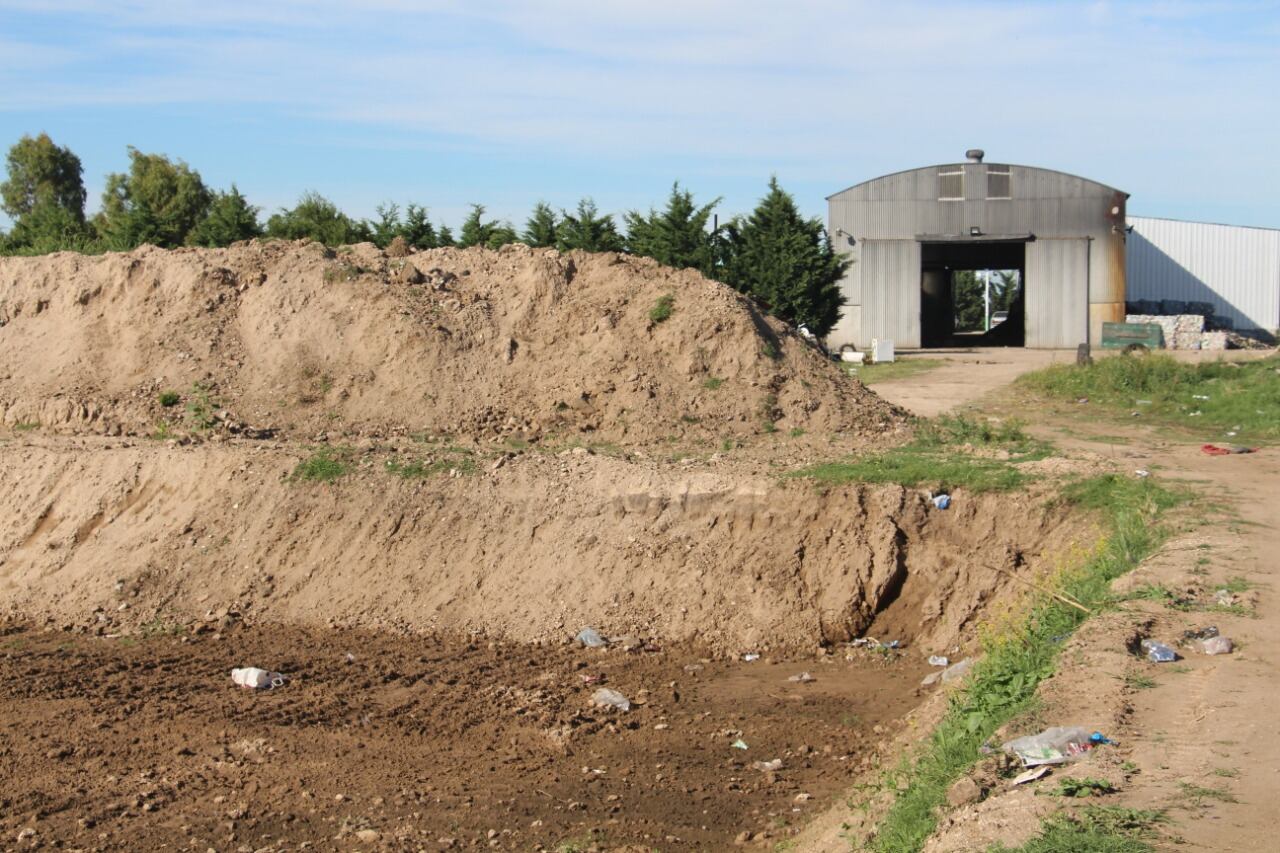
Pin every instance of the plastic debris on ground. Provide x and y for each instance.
(1206, 633)
(938, 660)
(253, 678)
(1030, 775)
(1055, 745)
(1158, 652)
(1217, 646)
(1224, 598)
(802, 678)
(1099, 739)
(591, 638)
(942, 501)
(738, 744)
(1142, 472)
(1226, 449)
(606, 698)
(873, 643)
(955, 672)
(767, 766)
(753, 656)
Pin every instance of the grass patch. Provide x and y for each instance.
(26, 426)
(418, 470)
(1088, 787)
(662, 309)
(325, 465)
(169, 399)
(711, 383)
(1197, 794)
(1097, 829)
(891, 371)
(1137, 681)
(945, 454)
(1022, 654)
(1241, 397)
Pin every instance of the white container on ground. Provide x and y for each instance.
(881, 351)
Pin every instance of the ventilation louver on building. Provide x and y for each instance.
(999, 183)
(951, 184)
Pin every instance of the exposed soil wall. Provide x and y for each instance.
(532, 550)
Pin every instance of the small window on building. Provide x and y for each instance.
(999, 184)
(951, 184)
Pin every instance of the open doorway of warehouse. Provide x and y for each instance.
(973, 293)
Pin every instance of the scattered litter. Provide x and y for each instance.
(1142, 402)
(606, 698)
(1226, 449)
(1030, 775)
(738, 744)
(942, 501)
(952, 673)
(803, 798)
(1199, 396)
(767, 766)
(592, 678)
(1206, 633)
(350, 658)
(252, 678)
(1054, 745)
(802, 678)
(1099, 739)
(1224, 598)
(751, 657)
(873, 643)
(1217, 646)
(1082, 400)
(938, 660)
(1143, 472)
(1158, 652)
(591, 638)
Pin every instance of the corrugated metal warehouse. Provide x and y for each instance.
(1234, 268)
(908, 232)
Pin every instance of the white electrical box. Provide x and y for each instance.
(881, 351)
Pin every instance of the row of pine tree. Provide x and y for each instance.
(779, 257)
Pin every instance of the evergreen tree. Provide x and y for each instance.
(786, 262)
(678, 236)
(445, 237)
(541, 227)
(475, 231)
(501, 235)
(417, 230)
(231, 218)
(588, 230)
(387, 226)
(314, 217)
(158, 201)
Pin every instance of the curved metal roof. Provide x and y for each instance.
(970, 163)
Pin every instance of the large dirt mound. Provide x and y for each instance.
(296, 338)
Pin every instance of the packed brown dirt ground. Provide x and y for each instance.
(525, 449)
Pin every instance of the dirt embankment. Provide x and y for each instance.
(133, 532)
(306, 341)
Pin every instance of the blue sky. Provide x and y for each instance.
(505, 103)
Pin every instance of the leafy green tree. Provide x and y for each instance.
(231, 218)
(42, 173)
(44, 194)
(676, 236)
(314, 217)
(387, 226)
(158, 201)
(541, 227)
(588, 230)
(786, 262)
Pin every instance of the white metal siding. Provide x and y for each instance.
(1235, 268)
(1057, 288)
(891, 292)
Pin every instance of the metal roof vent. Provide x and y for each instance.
(975, 155)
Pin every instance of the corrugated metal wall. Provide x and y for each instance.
(891, 309)
(1057, 293)
(1235, 268)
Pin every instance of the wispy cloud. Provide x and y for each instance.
(825, 90)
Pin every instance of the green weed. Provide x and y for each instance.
(417, 470)
(662, 309)
(325, 465)
(1239, 397)
(26, 426)
(1016, 660)
(169, 399)
(200, 407)
(1087, 787)
(1197, 794)
(711, 383)
(870, 374)
(1097, 829)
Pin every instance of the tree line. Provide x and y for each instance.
(774, 254)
